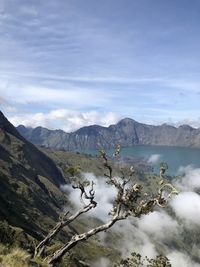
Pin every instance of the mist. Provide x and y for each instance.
(152, 234)
(104, 196)
(154, 158)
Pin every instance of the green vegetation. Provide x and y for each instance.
(136, 260)
(17, 257)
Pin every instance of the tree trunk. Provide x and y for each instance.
(57, 256)
(59, 226)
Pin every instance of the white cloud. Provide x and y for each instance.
(187, 207)
(192, 121)
(133, 239)
(37, 94)
(104, 196)
(157, 224)
(187, 203)
(67, 120)
(190, 179)
(154, 158)
(6, 106)
(179, 259)
(86, 78)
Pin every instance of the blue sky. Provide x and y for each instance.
(69, 63)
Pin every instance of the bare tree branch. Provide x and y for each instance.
(64, 221)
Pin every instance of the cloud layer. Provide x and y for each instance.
(67, 120)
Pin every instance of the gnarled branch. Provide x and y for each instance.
(64, 220)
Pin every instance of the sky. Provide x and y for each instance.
(69, 63)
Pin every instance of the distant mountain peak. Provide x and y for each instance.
(126, 121)
(186, 127)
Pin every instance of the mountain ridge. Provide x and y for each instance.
(127, 132)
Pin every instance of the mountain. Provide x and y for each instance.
(29, 182)
(127, 132)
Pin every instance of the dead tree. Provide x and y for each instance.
(130, 201)
(66, 219)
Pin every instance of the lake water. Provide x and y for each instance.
(175, 157)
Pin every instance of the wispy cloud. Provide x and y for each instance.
(89, 79)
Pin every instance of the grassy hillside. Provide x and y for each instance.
(29, 194)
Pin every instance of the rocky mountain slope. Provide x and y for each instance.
(127, 132)
(29, 182)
